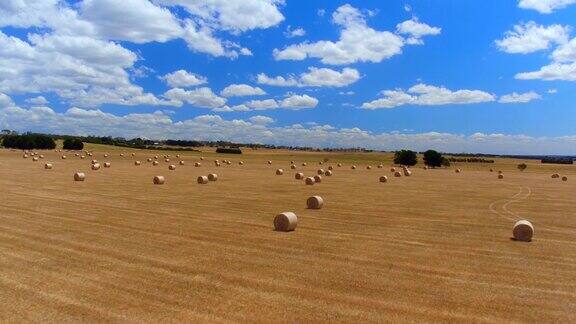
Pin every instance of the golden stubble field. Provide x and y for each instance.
(431, 247)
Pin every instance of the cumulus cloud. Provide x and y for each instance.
(427, 95)
(200, 97)
(137, 21)
(519, 97)
(296, 32)
(239, 90)
(160, 126)
(261, 120)
(357, 42)
(183, 79)
(531, 37)
(315, 77)
(292, 102)
(554, 71)
(40, 100)
(416, 30)
(545, 6)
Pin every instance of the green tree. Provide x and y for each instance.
(405, 157)
(433, 158)
(73, 144)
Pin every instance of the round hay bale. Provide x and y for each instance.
(292, 162)
(155, 157)
(202, 180)
(285, 222)
(293, 167)
(457, 170)
(197, 164)
(76, 155)
(167, 160)
(328, 173)
(159, 180)
(63, 157)
(564, 178)
(138, 163)
(181, 162)
(177, 156)
(555, 175)
(407, 173)
(309, 181)
(82, 157)
(491, 170)
(122, 154)
(172, 167)
(380, 166)
(94, 161)
(269, 162)
(25, 156)
(368, 167)
(304, 164)
(501, 176)
(320, 163)
(500, 172)
(96, 166)
(315, 202)
(149, 159)
(523, 231)
(353, 167)
(339, 165)
(35, 159)
(229, 162)
(89, 154)
(79, 176)
(330, 168)
(107, 164)
(201, 158)
(299, 176)
(320, 171)
(397, 174)
(241, 163)
(383, 179)
(155, 163)
(279, 172)
(133, 154)
(105, 155)
(48, 166)
(317, 178)
(217, 163)
(392, 169)
(41, 156)
(212, 177)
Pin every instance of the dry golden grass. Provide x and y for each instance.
(431, 247)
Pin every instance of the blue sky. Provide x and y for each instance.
(475, 76)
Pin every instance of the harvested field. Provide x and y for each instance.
(435, 246)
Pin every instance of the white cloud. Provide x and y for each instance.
(552, 91)
(262, 104)
(519, 97)
(315, 77)
(137, 21)
(346, 93)
(233, 15)
(261, 120)
(531, 37)
(357, 42)
(292, 102)
(40, 100)
(321, 12)
(299, 102)
(296, 32)
(183, 79)
(158, 125)
(426, 95)
(565, 52)
(200, 97)
(238, 90)
(545, 6)
(82, 70)
(554, 71)
(416, 30)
